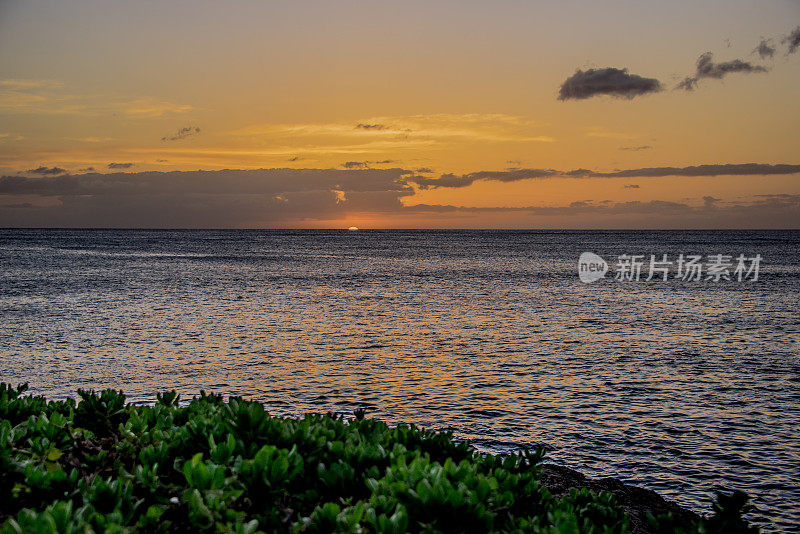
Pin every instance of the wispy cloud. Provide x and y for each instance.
(51, 98)
(16, 83)
(435, 128)
(183, 133)
(599, 131)
(364, 126)
(47, 171)
(151, 107)
(707, 68)
(117, 166)
(11, 137)
(765, 49)
(792, 41)
(92, 139)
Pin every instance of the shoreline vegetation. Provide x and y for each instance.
(216, 465)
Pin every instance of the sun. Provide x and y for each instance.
(353, 228)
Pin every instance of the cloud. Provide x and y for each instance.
(355, 165)
(599, 131)
(365, 126)
(636, 148)
(47, 171)
(183, 133)
(608, 81)
(793, 41)
(765, 49)
(120, 165)
(687, 84)
(328, 197)
(86, 169)
(514, 175)
(11, 137)
(464, 180)
(51, 98)
(151, 108)
(365, 164)
(228, 198)
(92, 139)
(706, 68)
(16, 83)
(380, 134)
(774, 207)
(729, 169)
(631, 186)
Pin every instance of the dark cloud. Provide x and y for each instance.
(261, 181)
(765, 49)
(364, 126)
(769, 211)
(687, 84)
(86, 169)
(793, 41)
(302, 197)
(47, 171)
(736, 169)
(706, 68)
(120, 165)
(636, 148)
(730, 169)
(207, 199)
(183, 133)
(423, 170)
(355, 165)
(365, 164)
(631, 186)
(608, 81)
(294, 158)
(464, 180)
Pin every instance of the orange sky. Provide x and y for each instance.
(422, 91)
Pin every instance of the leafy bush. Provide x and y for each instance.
(102, 465)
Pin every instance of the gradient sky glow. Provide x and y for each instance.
(377, 100)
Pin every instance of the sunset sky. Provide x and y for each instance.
(303, 114)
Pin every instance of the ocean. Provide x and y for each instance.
(685, 387)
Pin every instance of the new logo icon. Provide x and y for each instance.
(591, 267)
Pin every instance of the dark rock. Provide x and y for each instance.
(637, 502)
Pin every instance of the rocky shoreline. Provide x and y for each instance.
(637, 502)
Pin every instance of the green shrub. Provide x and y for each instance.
(102, 465)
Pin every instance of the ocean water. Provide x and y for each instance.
(684, 387)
